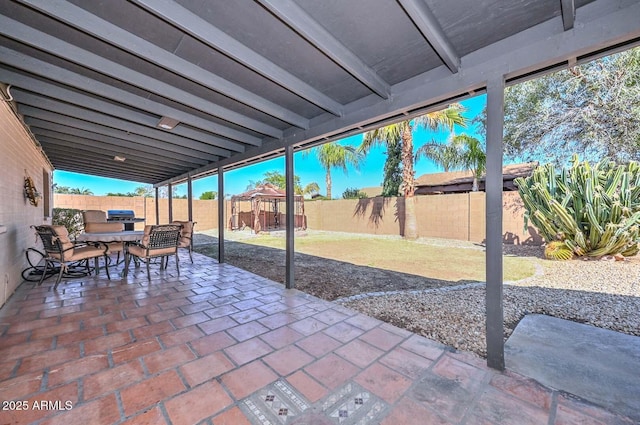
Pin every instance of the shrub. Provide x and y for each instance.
(593, 209)
(69, 218)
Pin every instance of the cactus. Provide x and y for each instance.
(593, 209)
(558, 250)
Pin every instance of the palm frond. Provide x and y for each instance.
(446, 118)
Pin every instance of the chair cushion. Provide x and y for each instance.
(85, 252)
(145, 237)
(186, 233)
(139, 251)
(94, 227)
(82, 253)
(94, 216)
(115, 247)
(63, 237)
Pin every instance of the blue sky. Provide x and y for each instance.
(307, 167)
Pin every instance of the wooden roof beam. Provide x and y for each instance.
(431, 30)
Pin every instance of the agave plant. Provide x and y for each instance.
(593, 209)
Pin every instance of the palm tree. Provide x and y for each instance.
(310, 189)
(445, 155)
(473, 158)
(461, 152)
(334, 155)
(83, 191)
(402, 132)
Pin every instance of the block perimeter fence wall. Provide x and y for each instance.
(458, 216)
(205, 213)
(454, 216)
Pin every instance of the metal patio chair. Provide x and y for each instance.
(186, 236)
(159, 241)
(61, 250)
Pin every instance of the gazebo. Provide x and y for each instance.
(265, 213)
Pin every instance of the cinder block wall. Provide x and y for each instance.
(375, 216)
(444, 216)
(19, 157)
(205, 213)
(455, 216)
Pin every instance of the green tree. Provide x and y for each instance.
(311, 189)
(460, 152)
(278, 179)
(71, 190)
(82, 191)
(61, 189)
(392, 172)
(144, 191)
(208, 195)
(353, 193)
(473, 156)
(335, 155)
(402, 133)
(445, 155)
(163, 192)
(591, 109)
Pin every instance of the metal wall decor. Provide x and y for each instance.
(30, 191)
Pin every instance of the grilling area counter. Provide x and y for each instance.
(127, 217)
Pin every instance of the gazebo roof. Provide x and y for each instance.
(266, 190)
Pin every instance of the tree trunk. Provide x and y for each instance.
(328, 181)
(408, 183)
(408, 178)
(474, 188)
(410, 220)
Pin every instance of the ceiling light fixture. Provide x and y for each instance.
(119, 158)
(167, 123)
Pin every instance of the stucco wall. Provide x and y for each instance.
(19, 156)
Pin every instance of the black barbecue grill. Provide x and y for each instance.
(128, 217)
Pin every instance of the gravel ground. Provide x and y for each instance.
(603, 293)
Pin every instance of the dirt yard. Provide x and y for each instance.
(335, 265)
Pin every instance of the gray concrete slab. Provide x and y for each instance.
(598, 365)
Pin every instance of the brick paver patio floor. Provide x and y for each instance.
(219, 345)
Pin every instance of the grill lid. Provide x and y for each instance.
(121, 214)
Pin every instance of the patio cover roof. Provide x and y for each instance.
(245, 79)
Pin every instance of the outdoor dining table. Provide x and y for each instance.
(126, 236)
